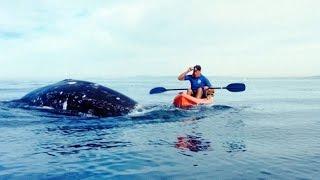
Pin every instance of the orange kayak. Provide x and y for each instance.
(183, 100)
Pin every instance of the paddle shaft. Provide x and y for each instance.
(187, 89)
(234, 87)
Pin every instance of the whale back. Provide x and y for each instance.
(81, 96)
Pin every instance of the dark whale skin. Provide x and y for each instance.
(76, 97)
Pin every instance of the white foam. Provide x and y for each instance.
(47, 107)
(139, 110)
(72, 82)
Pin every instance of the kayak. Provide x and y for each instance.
(183, 100)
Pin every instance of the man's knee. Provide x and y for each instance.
(199, 89)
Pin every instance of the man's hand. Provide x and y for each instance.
(183, 75)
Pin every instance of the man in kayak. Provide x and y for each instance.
(199, 84)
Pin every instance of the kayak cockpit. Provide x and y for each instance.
(183, 100)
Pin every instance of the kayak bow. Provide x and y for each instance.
(183, 100)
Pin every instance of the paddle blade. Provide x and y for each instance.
(157, 90)
(236, 87)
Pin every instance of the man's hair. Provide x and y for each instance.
(197, 67)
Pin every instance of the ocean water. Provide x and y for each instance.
(270, 131)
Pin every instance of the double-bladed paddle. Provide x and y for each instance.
(234, 87)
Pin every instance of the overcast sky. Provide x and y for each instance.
(78, 39)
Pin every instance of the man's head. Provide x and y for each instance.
(197, 71)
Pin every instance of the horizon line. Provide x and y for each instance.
(149, 76)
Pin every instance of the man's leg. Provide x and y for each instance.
(189, 92)
(199, 93)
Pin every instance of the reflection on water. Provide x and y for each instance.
(192, 143)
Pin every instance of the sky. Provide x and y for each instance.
(112, 38)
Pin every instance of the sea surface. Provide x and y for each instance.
(270, 131)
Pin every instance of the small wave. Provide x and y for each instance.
(155, 112)
(221, 107)
(63, 149)
(235, 146)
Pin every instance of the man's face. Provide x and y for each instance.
(196, 73)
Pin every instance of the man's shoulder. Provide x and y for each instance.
(188, 77)
(203, 77)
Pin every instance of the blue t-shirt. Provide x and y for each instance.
(197, 82)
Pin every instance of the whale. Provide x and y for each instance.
(76, 97)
